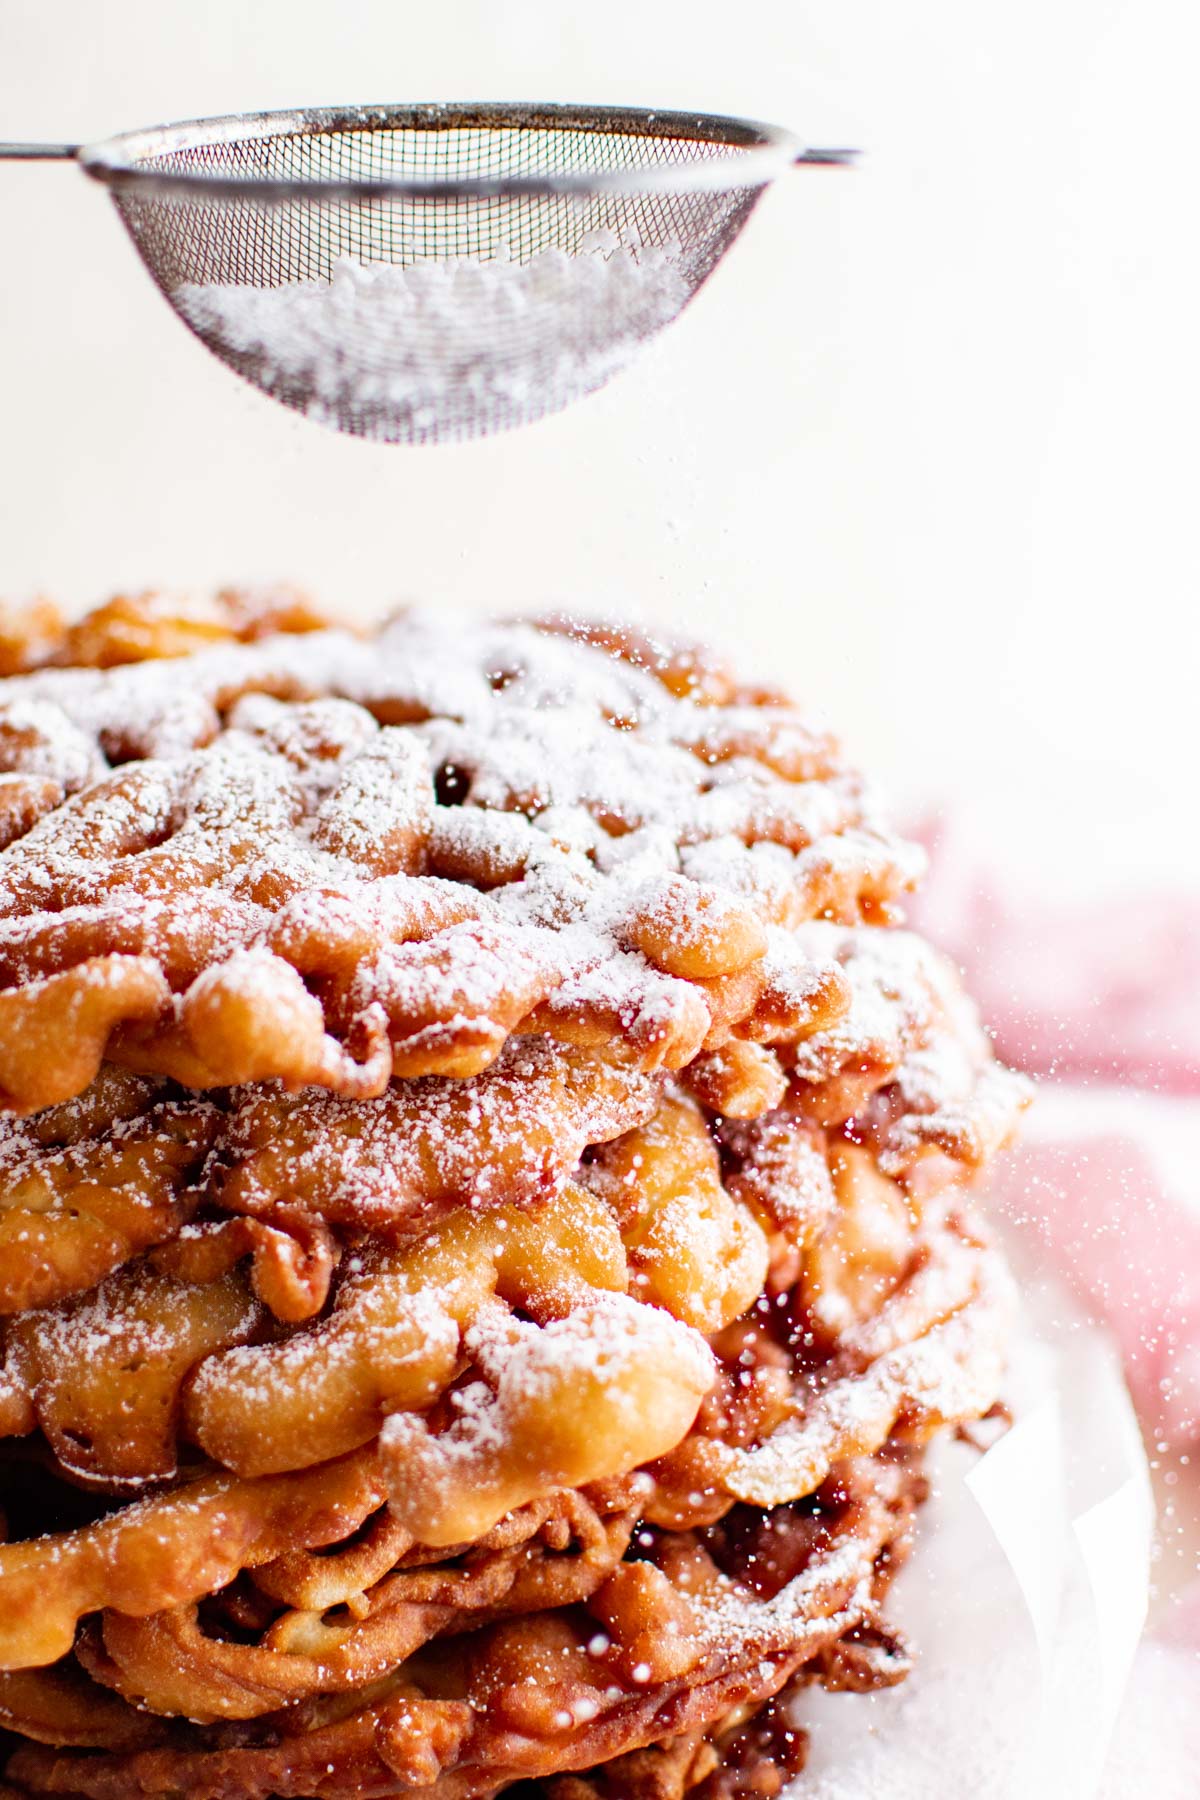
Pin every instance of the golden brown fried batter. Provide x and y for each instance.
(509, 830)
(665, 1646)
(483, 1218)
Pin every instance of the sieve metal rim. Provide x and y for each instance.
(761, 152)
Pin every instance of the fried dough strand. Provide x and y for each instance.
(396, 1164)
(104, 1373)
(71, 1213)
(691, 1247)
(171, 1549)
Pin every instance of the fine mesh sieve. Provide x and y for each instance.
(416, 274)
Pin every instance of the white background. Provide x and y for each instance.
(926, 445)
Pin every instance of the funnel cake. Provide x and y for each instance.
(485, 1219)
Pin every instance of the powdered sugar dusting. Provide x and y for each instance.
(484, 812)
(514, 1132)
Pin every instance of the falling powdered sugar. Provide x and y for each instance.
(437, 347)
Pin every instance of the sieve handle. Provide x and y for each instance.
(825, 159)
(38, 152)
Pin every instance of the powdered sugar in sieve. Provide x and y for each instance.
(457, 340)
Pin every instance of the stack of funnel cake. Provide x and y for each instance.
(484, 1232)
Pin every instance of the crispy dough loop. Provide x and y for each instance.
(691, 1248)
(111, 1100)
(17, 1417)
(685, 667)
(864, 1252)
(694, 931)
(779, 1167)
(378, 816)
(396, 1164)
(654, 1020)
(930, 1133)
(637, 1376)
(290, 1271)
(28, 634)
(313, 1582)
(70, 1215)
(328, 936)
(53, 1032)
(77, 853)
(892, 979)
(798, 995)
(908, 1059)
(183, 935)
(140, 628)
(452, 1000)
(38, 742)
(24, 799)
(739, 1081)
(403, 1324)
(251, 1018)
(104, 1372)
(394, 1335)
(171, 1549)
(59, 1705)
(148, 626)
